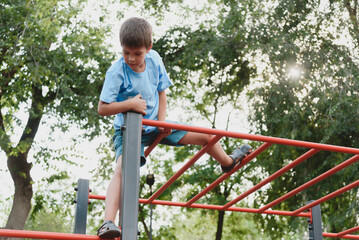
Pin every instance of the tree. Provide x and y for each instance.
(52, 64)
(211, 61)
(201, 225)
(318, 104)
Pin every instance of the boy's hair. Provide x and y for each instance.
(135, 33)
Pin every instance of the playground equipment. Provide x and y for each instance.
(130, 183)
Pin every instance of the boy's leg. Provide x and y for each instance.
(202, 139)
(228, 162)
(112, 202)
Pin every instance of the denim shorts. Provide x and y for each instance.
(147, 140)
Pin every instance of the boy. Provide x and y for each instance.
(141, 75)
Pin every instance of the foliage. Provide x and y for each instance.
(52, 63)
(55, 67)
(202, 225)
(50, 222)
(45, 53)
(210, 60)
(51, 210)
(320, 105)
(5, 207)
(216, 60)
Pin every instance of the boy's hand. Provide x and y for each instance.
(165, 131)
(138, 104)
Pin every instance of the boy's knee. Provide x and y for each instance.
(206, 139)
(118, 166)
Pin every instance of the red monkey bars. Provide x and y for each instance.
(267, 142)
(312, 214)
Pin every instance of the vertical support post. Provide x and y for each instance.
(150, 179)
(82, 198)
(315, 224)
(130, 174)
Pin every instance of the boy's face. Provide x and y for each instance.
(135, 57)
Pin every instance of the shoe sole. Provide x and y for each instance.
(109, 234)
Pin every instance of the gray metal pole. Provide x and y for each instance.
(129, 192)
(82, 198)
(150, 179)
(315, 226)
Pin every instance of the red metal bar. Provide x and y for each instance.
(226, 175)
(260, 138)
(327, 197)
(218, 207)
(334, 235)
(98, 197)
(184, 168)
(154, 144)
(248, 210)
(210, 207)
(351, 230)
(45, 235)
(272, 177)
(311, 182)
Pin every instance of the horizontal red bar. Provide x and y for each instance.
(70, 236)
(218, 207)
(335, 235)
(45, 235)
(210, 207)
(98, 197)
(253, 137)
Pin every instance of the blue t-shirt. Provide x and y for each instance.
(122, 82)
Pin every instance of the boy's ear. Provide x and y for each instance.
(149, 48)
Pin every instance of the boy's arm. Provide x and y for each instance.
(162, 111)
(162, 106)
(136, 104)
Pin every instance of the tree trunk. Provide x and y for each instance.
(220, 225)
(20, 173)
(20, 168)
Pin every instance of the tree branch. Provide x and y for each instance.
(5, 139)
(353, 16)
(35, 115)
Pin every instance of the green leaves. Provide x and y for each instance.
(55, 55)
(320, 106)
(52, 64)
(265, 43)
